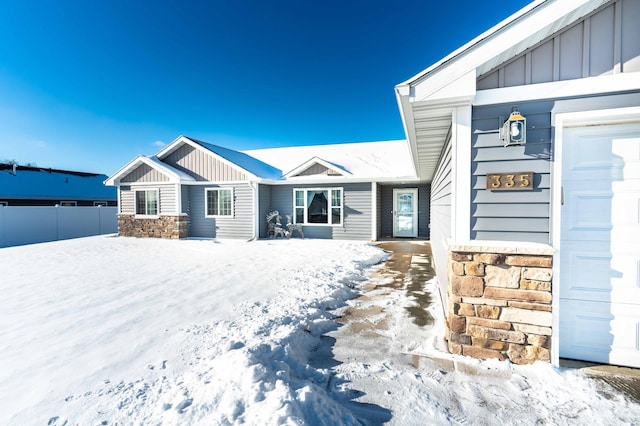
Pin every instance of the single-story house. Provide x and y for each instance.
(190, 188)
(530, 138)
(521, 164)
(38, 186)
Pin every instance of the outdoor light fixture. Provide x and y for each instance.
(514, 130)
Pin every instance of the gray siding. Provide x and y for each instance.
(167, 195)
(511, 215)
(605, 42)
(441, 217)
(184, 193)
(379, 211)
(385, 201)
(521, 215)
(203, 166)
(145, 173)
(240, 226)
(357, 211)
(264, 199)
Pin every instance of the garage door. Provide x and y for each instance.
(600, 244)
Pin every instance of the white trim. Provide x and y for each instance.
(316, 160)
(561, 121)
(206, 207)
(559, 89)
(461, 173)
(255, 209)
(135, 203)
(172, 174)
(329, 206)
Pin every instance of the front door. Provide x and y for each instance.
(405, 212)
(599, 246)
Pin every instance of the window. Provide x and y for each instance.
(318, 206)
(100, 204)
(147, 202)
(68, 203)
(219, 202)
(4, 203)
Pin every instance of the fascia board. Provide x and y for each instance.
(522, 26)
(114, 179)
(172, 146)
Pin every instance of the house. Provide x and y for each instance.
(191, 188)
(37, 186)
(530, 138)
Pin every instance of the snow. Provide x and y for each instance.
(110, 330)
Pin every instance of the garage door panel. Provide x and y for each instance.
(600, 332)
(600, 244)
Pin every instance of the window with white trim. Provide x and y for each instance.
(219, 202)
(68, 204)
(147, 202)
(100, 203)
(318, 206)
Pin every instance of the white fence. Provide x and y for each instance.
(28, 225)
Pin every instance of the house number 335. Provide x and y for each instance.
(510, 181)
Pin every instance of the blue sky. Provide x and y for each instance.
(88, 85)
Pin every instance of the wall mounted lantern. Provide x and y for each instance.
(514, 130)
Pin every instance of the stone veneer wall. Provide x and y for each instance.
(500, 303)
(172, 227)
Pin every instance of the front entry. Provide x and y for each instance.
(405, 212)
(599, 249)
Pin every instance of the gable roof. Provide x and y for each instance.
(375, 161)
(322, 163)
(36, 183)
(428, 100)
(254, 167)
(174, 175)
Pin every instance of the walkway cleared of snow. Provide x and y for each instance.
(107, 330)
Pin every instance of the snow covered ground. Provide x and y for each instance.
(107, 330)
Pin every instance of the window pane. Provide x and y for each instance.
(318, 207)
(336, 198)
(152, 202)
(299, 198)
(299, 214)
(335, 215)
(225, 202)
(212, 203)
(140, 202)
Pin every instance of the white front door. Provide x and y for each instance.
(405, 212)
(600, 244)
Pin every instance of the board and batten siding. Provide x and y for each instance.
(240, 226)
(203, 166)
(440, 217)
(356, 210)
(166, 195)
(144, 173)
(386, 202)
(603, 43)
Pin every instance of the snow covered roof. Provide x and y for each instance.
(172, 173)
(384, 160)
(36, 183)
(247, 162)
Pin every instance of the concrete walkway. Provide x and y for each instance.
(406, 270)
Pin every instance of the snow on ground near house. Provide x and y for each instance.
(106, 330)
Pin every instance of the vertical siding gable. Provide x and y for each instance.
(144, 173)
(318, 169)
(605, 42)
(203, 166)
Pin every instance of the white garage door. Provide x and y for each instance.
(600, 244)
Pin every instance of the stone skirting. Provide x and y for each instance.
(172, 227)
(500, 301)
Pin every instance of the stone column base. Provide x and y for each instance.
(172, 227)
(500, 301)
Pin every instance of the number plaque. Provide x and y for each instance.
(517, 181)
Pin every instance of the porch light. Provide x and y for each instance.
(514, 130)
